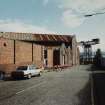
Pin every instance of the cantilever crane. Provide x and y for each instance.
(87, 46)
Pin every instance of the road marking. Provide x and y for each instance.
(30, 88)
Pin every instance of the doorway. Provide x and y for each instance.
(45, 58)
(56, 57)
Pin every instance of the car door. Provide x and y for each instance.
(33, 70)
(36, 70)
(29, 70)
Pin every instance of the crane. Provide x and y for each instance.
(87, 46)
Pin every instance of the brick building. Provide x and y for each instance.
(43, 50)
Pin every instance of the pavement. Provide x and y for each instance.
(68, 87)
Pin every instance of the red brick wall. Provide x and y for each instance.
(23, 52)
(6, 51)
(37, 55)
(50, 57)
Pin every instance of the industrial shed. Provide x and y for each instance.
(43, 50)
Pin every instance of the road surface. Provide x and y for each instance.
(98, 78)
(68, 87)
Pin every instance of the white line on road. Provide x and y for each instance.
(30, 88)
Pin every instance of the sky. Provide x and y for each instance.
(55, 16)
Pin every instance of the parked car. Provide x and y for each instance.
(26, 71)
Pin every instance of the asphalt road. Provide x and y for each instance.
(98, 77)
(68, 87)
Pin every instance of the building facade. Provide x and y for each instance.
(43, 50)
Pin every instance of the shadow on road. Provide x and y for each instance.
(17, 79)
(14, 79)
(98, 85)
(98, 80)
(97, 68)
(84, 95)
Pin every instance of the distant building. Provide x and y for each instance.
(43, 50)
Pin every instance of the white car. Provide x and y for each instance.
(26, 71)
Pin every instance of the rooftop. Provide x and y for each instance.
(37, 37)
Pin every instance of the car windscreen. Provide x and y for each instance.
(22, 68)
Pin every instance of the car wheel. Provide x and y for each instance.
(29, 76)
(39, 75)
(1, 75)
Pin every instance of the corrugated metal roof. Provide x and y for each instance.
(36, 37)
